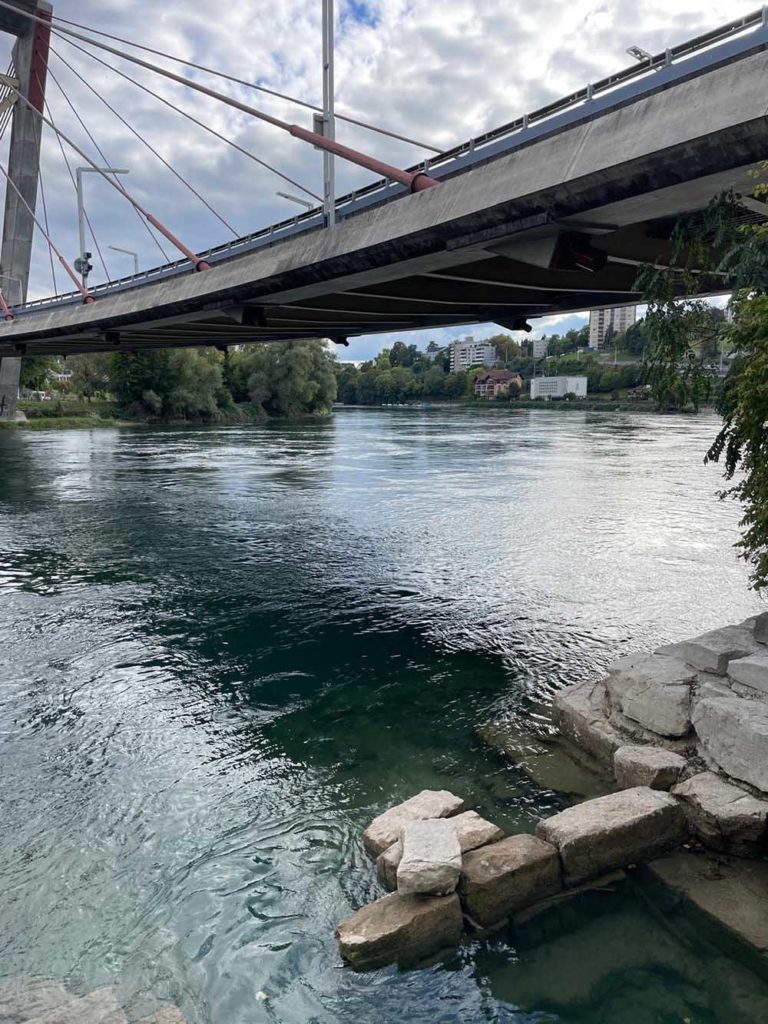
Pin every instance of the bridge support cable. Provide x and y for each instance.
(414, 181)
(194, 120)
(72, 176)
(48, 229)
(100, 151)
(251, 85)
(87, 297)
(197, 262)
(180, 177)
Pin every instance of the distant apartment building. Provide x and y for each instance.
(468, 353)
(601, 321)
(496, 383)
(558, 387)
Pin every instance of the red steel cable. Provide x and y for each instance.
(87, 297)
(415, 181)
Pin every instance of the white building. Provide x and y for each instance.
(601, 321)
(468, 353)
(558, 387)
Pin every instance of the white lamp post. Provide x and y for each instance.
(128, 252)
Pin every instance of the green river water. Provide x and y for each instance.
(222, 651)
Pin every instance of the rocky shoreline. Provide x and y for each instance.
(676, 742)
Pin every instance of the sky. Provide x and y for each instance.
(438, 73)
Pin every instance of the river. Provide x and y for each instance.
(222, 651)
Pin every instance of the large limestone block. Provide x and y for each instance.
(711, 652)
(472, 831)
(499, 879)
(751, 671)
(579, 713)
(724, 816)
(647, 766)
(22, 999)
(613, 831)
(653, 690)
(400, 929)
(733, 733)
(431, 861)
(430, 803)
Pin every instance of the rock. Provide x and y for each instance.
(472, 831)
(613, 831)
(711, 652)
(431, 861)
(733, 733)
(98, 1007)
(22, 999)
(723, 816)
(579, 713)
(499, 879)
(549, 761)
(751, 671)
(761, 628)
(387, 864)
(400, 929)
(634, 734)
(653, 690)
(647, 766)
(168, 1015)
(430, 803)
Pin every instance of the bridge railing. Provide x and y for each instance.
(661, 68)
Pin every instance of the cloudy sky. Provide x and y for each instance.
(439, 73)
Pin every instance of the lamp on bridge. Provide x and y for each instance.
(639, 53)
(82, 264)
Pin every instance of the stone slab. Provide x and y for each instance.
(724, 816)
(733, 734)
(22, 999)
(506, 876)
(431, 860)
(633, 733)
(647, 766)
(551, 762)
(712, 651)
(386, 828)
(472, 831)
(579, 713)
(731, 891)
(614, 831)
(653, 690)
(400, 929)
(751, 671)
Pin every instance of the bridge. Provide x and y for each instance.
(551, 213)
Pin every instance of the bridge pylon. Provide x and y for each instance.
(30, 67)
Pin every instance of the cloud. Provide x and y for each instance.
(436, 72)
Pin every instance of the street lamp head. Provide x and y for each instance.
(639, 53)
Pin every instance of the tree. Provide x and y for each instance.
(170, 383)
(34, 371)
(289, 379)
(90, 374)
(741, 262)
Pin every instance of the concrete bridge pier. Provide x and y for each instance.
(30, 59)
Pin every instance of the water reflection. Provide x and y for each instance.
(225, 649)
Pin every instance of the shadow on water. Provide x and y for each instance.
(224, 650)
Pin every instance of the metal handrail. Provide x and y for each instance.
(434, 164)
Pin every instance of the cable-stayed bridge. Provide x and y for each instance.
(551, 213)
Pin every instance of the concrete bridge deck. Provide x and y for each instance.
(553, 218)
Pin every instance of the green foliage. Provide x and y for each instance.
(741, 263)
(34, 371)
(294, 378)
